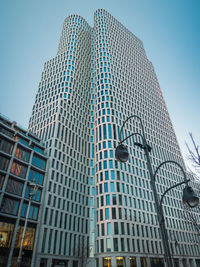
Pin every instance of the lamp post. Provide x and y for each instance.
(189, 197)
(32, 187)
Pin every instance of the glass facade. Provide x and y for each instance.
(19, 164)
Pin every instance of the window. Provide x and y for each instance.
(108, 244)
(107, 213)
(109, 228)
(14, 187)
(38, 162)
(18, 170)
(4, 163)
(6, 146)
(37, 176)
(10, 206)
(22, 154)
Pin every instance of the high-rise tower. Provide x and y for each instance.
(99, 77)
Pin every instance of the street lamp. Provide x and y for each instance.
(189, 197)
(32, 188)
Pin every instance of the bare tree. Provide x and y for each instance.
(194, 158)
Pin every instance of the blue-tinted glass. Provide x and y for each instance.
(107, 200)
(111, 154)
(91, 201)
(110, 164)
(112, 188)
(99, 132)
(112, 175)
(109, 131)
(107, 214)
(105, 164)
(104, 144)
(106, 175)
(106, 187)
(104, 132)
(99, 165)
(108, 228)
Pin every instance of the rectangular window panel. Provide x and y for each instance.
(14, 187)
(4, 163)
(18, 170)
(22, 154)
(6, 146)
(10, 206)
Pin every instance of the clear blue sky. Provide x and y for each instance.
(170, 31)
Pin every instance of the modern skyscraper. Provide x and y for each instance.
(100, 76)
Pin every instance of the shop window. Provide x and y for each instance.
(6, 233)
(28, 240)
(120, 261)
(133, 262)
(156, 262)
(107, 262)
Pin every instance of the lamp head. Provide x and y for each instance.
(189, 197)
(121, 153)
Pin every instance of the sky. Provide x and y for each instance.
(169, 29)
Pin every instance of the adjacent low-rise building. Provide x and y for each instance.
(22, 159)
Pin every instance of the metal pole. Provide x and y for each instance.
(159, 209)
(19, 259)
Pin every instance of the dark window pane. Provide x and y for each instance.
(4, 163)
(10, 206)
(6, 146)
(14, 187)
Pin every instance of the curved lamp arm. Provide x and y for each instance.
(184, 182)
(184, 175)
(130, 136)
(170, 161)
(132, 116)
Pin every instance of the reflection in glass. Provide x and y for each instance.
(14, 187)
(6, 146)
(107, 262)
(22, 154)
(18, 170)
(38, 162)
(10, 206)
(120, 261)
(33, 212)
(132, 262)
(4, 163)
(6, 233)
(2, 177)
(36, 176)
(28, 240)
